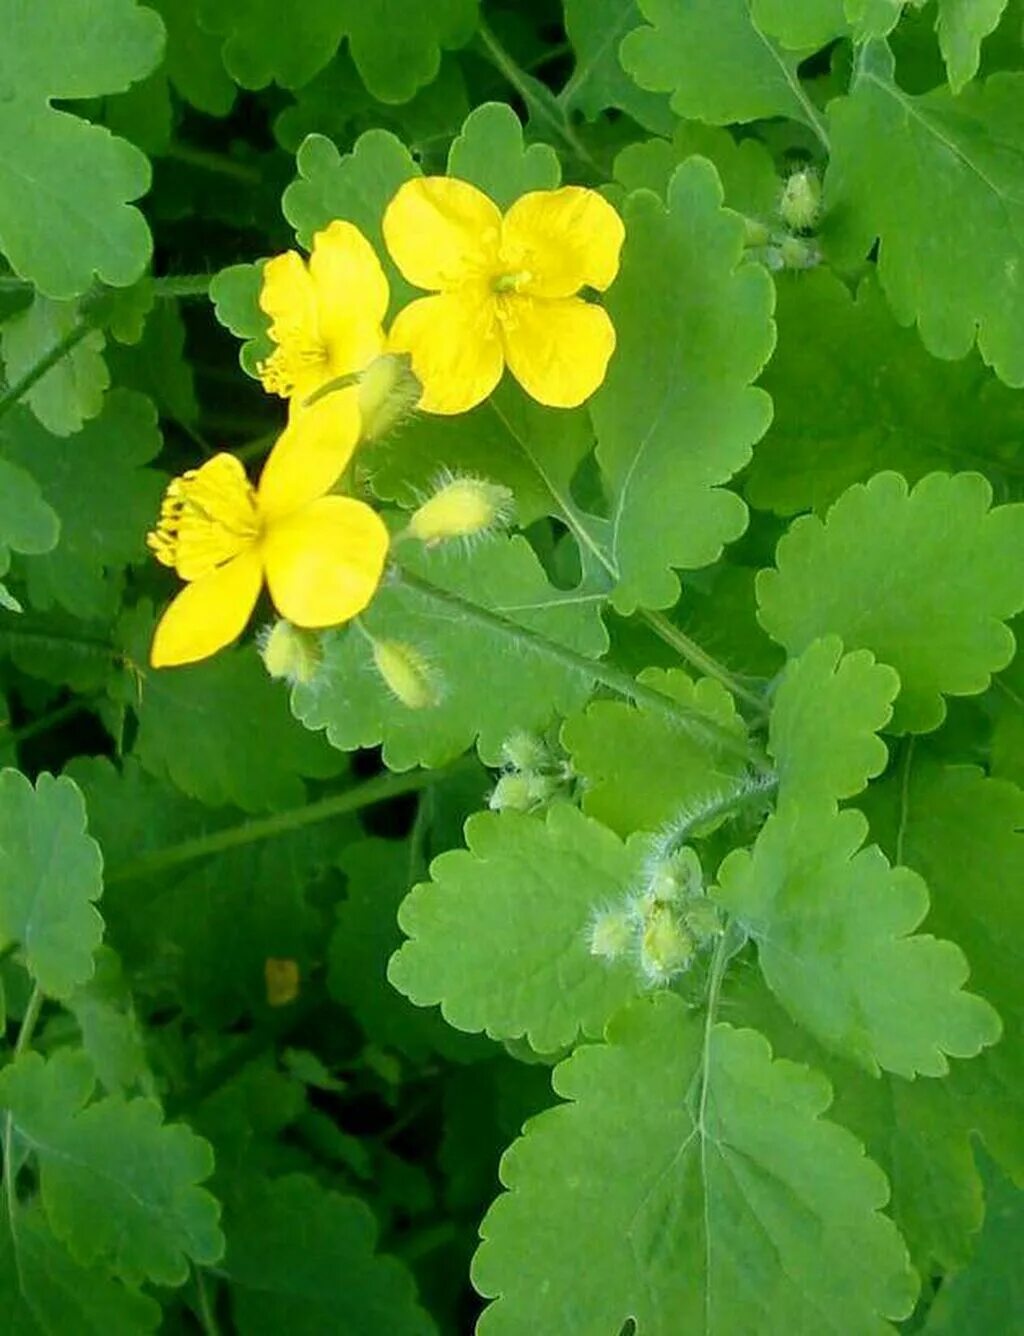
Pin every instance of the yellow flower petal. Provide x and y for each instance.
(558, 350)
(561, 241)
(324, 563)
(311, 453)
(209, 613)
(442, 232)
(351, 295)
(455, 347)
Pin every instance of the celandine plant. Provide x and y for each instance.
(510, 812)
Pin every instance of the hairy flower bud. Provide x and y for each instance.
(800, 205)
(406, 673)
(460, 508)
(519, 792)
(666, 948)
(388, 392)
(289, 652)
(610, 934)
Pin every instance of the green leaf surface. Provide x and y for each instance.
(44, 1291)
(291, 1241)
(938, 181)
(510, 439)
(112, 1036)
(66, 185)
(925, 579)
(855, 393)
(989, 1295)
(716, 61)
(962, 27)
(157, 367)
(686, 354)
(50, 874)
(99, 483)
(719, 1200)
(920, 1133)
(598, 82)
(396, 53)
(745, 168)
(487, 683)
(490, 154)
(196, 729)
(200, 930)
(235, 293)
(639, 772)
(834, 926)
(192, 60)
(826, 713)
(964, 832)
(72, 391)
(27, 523)
(529, 886)
(365, 935)
(801, 25)
(118, 1184)
(356, 187)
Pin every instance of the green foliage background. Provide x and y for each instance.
(761, 599)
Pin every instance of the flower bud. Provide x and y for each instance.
(406, 673)
(666, 948)
(290, 652)
(610, 934)
(800, 205)
(388, 392)
(522, 792)
(524, 751)
(460, 508)
(674, 878)
(794, 253)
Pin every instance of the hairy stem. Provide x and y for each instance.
(701, 659)
(621, 683)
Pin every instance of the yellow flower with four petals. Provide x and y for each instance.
(506, 290)
(321, 556)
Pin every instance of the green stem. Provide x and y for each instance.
(183, 285)
(35, 373)
(621, 683)
(700, 658)
(537, 108)
(748, 789)
(209, 161)
(28, 1025)
(59, 715)
(204, 1308)
(377, 790)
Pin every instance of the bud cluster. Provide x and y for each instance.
(532, 775)
(793, 245)
(663, 924)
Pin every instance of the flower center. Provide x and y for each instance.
(292, 361)
(208, 516)
(510, 282)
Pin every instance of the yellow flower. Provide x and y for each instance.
(321, 556)
(506, 290)
(325, 318)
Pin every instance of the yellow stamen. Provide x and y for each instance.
(291, 362)
(207, 516)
